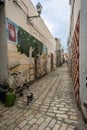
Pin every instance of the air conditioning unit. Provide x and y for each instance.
(14, 0)
(2, 2)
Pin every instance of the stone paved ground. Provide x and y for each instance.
(53, 106)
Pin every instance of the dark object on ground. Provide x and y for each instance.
(29, 98)
(19, 91)
(3, 90)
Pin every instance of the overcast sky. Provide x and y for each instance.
(55, 14)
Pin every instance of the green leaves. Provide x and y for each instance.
(25, 40)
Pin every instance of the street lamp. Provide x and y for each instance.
(39, 9)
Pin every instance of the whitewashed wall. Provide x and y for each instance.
(81, 5)
(75, 8)
(83, 51)
(39, 29)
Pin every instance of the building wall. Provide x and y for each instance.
(83, 51)
(62, 56)
(74, 45)
(58, 52)
(78, 41)
(39, 29)
(3, 45)
(58, 44)
(16, 18)
(75, 8)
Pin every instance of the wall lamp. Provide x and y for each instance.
(39, 9)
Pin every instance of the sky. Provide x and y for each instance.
(56, 15)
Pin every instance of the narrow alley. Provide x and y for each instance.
(53, 106)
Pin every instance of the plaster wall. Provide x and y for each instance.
(35, 26)
(83, 51)
(3, 46)
(75, 8)
(81, 6)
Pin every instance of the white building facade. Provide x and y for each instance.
(78, 49)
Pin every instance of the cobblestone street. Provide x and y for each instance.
(53, 106)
